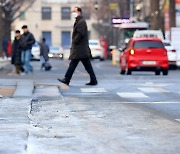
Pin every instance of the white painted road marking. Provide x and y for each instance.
(93, 90)
(153, 90)
(132, 95)
(151, 103)
(177, 120)
(151, 84)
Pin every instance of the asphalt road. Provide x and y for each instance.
(123, 114)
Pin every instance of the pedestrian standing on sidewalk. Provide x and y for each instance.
(44, 51)
(27, 43)
(16, 53)
(80, 50)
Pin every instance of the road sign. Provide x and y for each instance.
(113, 6)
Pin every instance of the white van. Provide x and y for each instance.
(149, 33)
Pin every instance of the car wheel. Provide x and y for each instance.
(173, 67)
(129, 72)
(157, 72)
(165, 71)
(122, 72)
(101, 59)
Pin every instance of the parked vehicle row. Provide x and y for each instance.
(54, 52)
(171, 52)
(97, 51)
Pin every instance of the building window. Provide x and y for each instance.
(65, 13)
(66, 39)
(46, 13)
(22, 15)
(86, 13)
(48, 36)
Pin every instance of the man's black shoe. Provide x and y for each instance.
(64, 81)
(92, 83)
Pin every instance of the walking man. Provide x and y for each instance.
(80, 50)
(27, 42)
(44, 50)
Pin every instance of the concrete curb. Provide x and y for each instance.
(47, 91)
(24, 89)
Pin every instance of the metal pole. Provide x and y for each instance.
(131, 8)
(1, 29)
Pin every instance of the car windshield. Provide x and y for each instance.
(93, 43)
(148, 44)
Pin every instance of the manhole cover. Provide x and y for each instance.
(7, 92)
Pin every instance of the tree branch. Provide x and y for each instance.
(25, 9)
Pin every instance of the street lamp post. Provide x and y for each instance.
(1, 27)
(131, 8)
(96, 5)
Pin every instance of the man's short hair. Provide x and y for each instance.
(24, 26)
(17, 32)
(79, 9)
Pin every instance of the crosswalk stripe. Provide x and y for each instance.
(93, 90)
(153, 90)
(177, 120)
(132, 95)
(150, 103)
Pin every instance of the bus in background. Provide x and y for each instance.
(125, 30)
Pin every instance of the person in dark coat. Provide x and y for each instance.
(16, 53)
(80, 50)
(44, 51)
(27, 43)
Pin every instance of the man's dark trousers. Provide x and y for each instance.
(87, 64)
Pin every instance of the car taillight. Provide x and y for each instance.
(132, 52)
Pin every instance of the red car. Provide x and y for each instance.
(144, 54)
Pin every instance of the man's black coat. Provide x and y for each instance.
(80, 44)
(27, 41)
(16, 52)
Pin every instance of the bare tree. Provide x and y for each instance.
(9, 13)
(155, 14)
(172, 10)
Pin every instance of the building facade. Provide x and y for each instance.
(52, 20)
